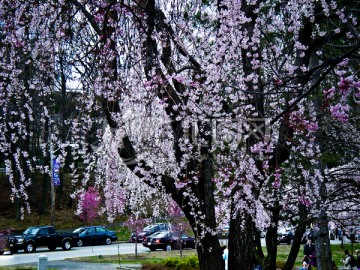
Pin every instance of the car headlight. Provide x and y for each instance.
(20, 240)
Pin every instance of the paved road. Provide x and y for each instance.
(70, 265)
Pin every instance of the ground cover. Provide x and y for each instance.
(157, 260)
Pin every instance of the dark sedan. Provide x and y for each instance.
(285, 236)
(168, 240)
(149, 230)
(90, 235)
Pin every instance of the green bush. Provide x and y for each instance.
(186, 263)
(172, 262)
(193, 261)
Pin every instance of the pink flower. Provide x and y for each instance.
(329, 94)
(276, 184)
(340, 112)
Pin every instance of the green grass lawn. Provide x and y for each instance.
(161, 256)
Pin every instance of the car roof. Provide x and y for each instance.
(40, 227)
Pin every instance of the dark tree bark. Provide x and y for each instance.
(271, 239)
(299, 232)
(322, 243)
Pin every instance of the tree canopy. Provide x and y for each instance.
(240, 111)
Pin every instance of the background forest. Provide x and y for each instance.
(241, 113)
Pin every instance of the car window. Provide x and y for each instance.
(79, 230)
(100, 229)
(161, 234)
(44, 231)
(31, 230)
(149, 227)
(91, 230)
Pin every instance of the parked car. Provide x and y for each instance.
(354, 237)
(357, 236)
(186, 241)
(224, 231)
(285, 236)
(168, 240)
(40, 236)
(149, 230)
(90, 235)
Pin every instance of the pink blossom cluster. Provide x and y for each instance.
(277, 183)
(304, 200)
(340, 112)
(136, 224)
(299, 122)
(174, 209)
(339, 109)
(89, 205)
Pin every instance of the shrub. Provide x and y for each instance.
(187, 263)
(172, 262)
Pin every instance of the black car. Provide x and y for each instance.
(90, 235)
(285, 236)
(42, 236)
(149, 230)
(168, 240)
(224, 231)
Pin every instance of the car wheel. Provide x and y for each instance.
(51, 248)
(168, 248)
(80, 243)
(108, 241)
(29, 248)
(66, 245)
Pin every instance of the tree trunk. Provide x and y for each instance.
(209, 251)
(209, 254)
(299, 232)
(322, 243)
(271, 239)
(242, 242)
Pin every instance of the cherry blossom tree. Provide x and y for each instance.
(89, 205)
(208, 102)
(135, 225)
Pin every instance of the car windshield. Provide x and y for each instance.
(161, 234)
(79, 230)
(149, 227)
(31, 231)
